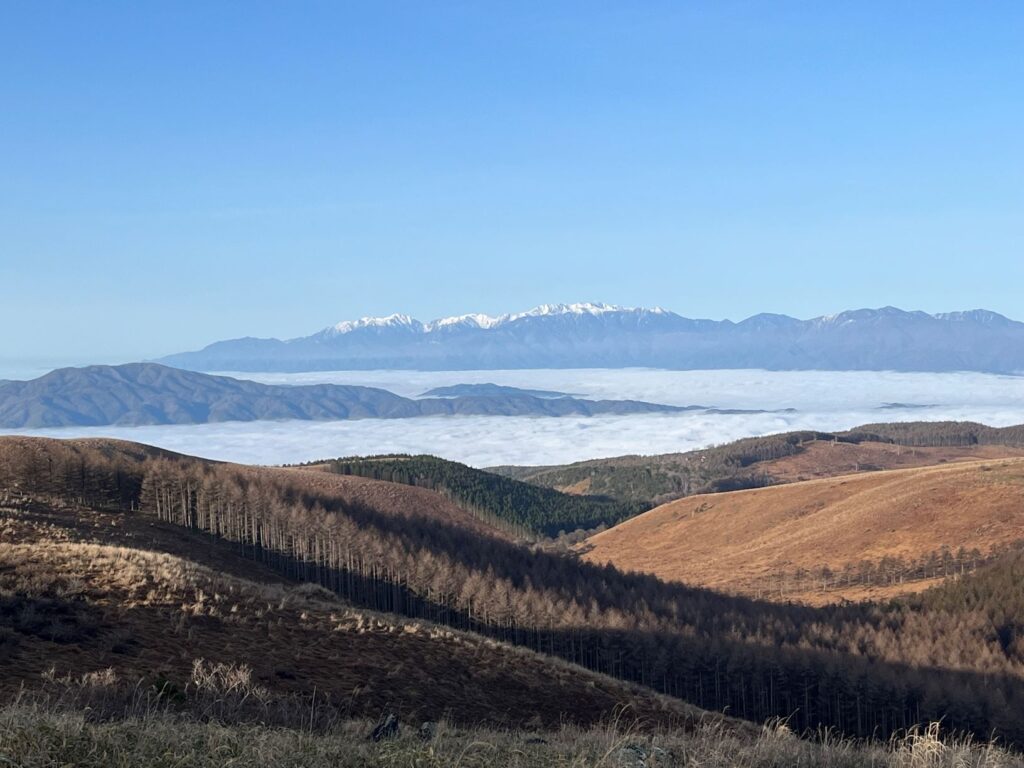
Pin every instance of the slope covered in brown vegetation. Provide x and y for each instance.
(852, 536)
(65, 463)
(830, 458)
(91, 599)
(862, 669)
(755, 462)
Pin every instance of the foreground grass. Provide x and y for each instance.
(33, 738)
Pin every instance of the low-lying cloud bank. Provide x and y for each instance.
(824, 400)
(749, 389)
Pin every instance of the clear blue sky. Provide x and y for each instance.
(177, 173)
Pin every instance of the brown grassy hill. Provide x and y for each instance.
(877, 533)
(57, 458)
(862, 669)
(756, 462)
(828, 458)
(91, 599)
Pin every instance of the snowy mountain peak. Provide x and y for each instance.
(479, 321)
(587, 308)
(583, 308)
(391, 321)
(473, 320)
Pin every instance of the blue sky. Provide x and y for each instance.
(176, 173)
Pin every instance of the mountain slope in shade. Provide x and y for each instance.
(923, 664)
(605, 336)
(147, 393)
(905, 527)
(150, 597)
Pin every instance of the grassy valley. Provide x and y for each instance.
(407, 553)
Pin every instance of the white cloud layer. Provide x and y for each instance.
(824, 400)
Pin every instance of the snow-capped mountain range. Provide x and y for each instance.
(607, 336)
(485, 322)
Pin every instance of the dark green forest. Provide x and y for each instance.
(954, 654)
(939, 433)
(521, 508)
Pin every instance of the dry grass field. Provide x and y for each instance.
(34, 738)
(85, 593)
(743, 541)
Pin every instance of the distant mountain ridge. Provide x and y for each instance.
(490, 390)
(147, 393)
(590, 335)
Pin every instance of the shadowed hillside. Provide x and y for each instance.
(861, 669)
(93, 602)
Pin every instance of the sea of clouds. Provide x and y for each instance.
(824, 400)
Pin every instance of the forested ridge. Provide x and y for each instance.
(864, 669)
(652, 480)
(148, 393)
(939, 433)
(519, 507)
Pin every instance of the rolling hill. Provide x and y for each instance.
(756, 462)
(862, 669)
(92, 603)
(853, 536)
(147, 393)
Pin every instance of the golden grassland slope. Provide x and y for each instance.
(815, 458)
(742, 541)
(83, 592)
